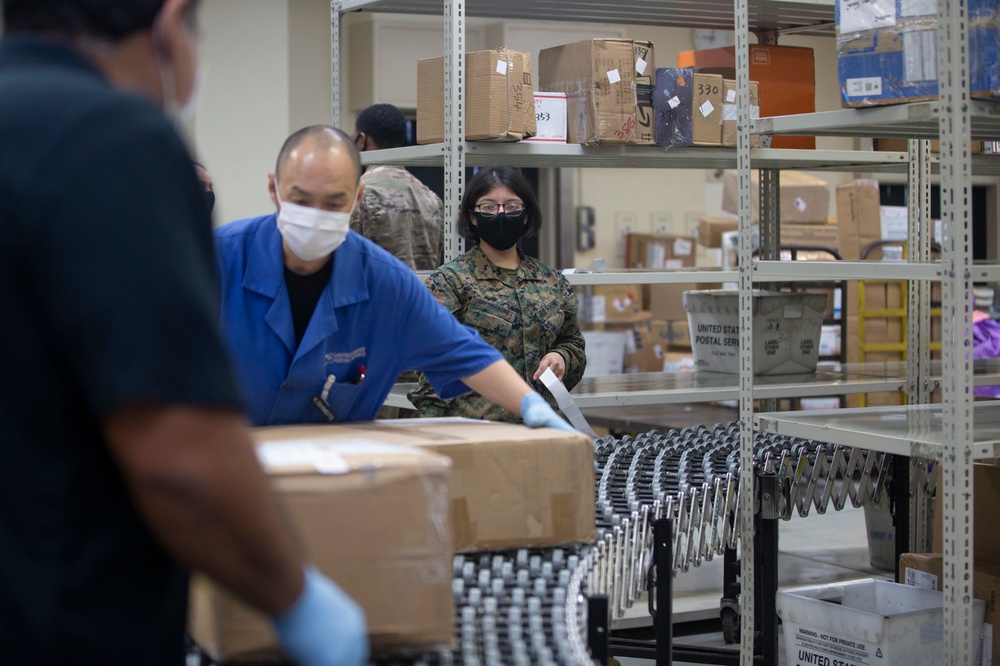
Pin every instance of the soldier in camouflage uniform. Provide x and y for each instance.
(398, 212)
(522, 307)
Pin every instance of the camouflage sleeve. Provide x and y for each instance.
(443, 289)
(426, 400)
(569, 343)
(363, 217)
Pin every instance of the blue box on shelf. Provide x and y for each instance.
(887, 51)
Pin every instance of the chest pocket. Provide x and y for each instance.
(341, 399)
(487, 324)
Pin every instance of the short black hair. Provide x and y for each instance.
(108, 19)
(384, 123)
(331, 133)
(485, 181)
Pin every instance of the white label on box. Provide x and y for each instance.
(550, 118)
(673, 264)
(730, 112)
(864, 87)
(324, 457)
(919, 56)
(502, 67)
(814, 646)
(922, 579)
(800, 204)
(894, 222)
(592, 308)
(614, 76)
(860, 15)
(730, 95)
(918, 8)
(673, 102)
(622, 303)
(640, 66)
(656, 255)
(754, 112)
(707, 108)
(682, 247)
(605, 353)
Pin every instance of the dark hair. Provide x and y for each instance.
(325, 135)
(485, 181)
(109, 19)
(384, 123)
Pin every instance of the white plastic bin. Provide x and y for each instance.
(786, 330)
(865, 623)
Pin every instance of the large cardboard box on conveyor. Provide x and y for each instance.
(609, 88)
(887, 51)
(499, 100)
(511, 486)
(373, 517)
(786, 76)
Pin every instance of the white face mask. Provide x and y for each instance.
(179, 114)
(311, 233)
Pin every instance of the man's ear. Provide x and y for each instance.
(272, 189)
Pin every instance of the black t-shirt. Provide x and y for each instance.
(109, 299)
(303, 294)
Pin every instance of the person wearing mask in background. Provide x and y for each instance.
(398, 212)
(522, 307)
(125, 455)
(205, 178)
(321, 321)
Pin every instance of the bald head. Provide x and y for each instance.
(317, 138)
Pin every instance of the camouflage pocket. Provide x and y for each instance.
(487, 324)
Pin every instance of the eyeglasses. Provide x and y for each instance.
(491, 209)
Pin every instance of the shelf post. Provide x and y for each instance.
(956, 287)
(746, 516)
(335, 63)
(454, 122)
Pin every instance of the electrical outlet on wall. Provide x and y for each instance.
(626, 222)
(661, 222)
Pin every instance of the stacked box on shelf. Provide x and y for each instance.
(688, 108)
(602, 303)
(802, 198)
(887, 51)
(499, 99)
(609, 88)
(786, 76)
(663, 252)
(730, 112)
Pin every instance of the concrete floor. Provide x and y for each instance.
(813, 550)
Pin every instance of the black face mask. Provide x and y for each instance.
(500, 231)
(210, 200)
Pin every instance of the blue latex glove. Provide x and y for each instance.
(324, 627)
(538, 414)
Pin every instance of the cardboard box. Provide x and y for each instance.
(890, 56)
(811, 235)
(609, 89)
(925, 570)
(786, 76)
(730, 112)
(710, 229)
(688, 108)
(678, 336)
(499, 100)
(985, 509)
(662, 252)
(858, 217)
(802, 198)
(550, 118)
(371, 516)
(601, 303)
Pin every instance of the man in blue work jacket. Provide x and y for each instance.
(320, 321)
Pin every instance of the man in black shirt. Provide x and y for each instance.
(123, 452)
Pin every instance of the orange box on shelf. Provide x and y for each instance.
(787, 78)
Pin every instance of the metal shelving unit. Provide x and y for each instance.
(947, 433)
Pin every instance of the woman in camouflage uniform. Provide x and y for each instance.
(522, 307)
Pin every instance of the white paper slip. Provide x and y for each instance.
(614, 76)
(640, 66)
(566, 402)
(674, 102)
(502, 67)
(707, 108)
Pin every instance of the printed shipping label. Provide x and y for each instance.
(869, 86)
(921, 579)
(910, 8)
(813, 646)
